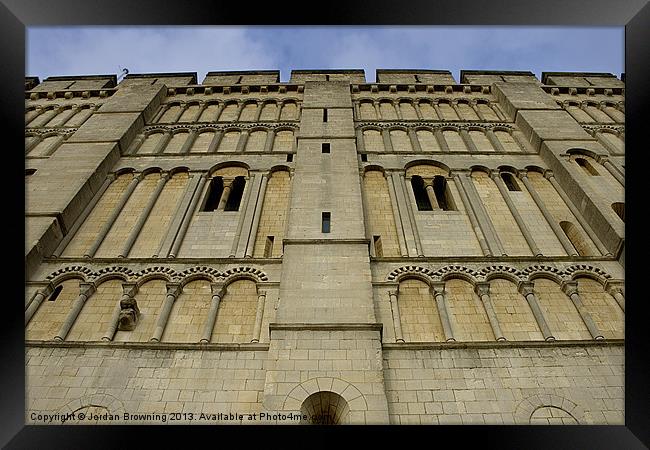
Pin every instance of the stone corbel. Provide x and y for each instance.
(129, 311)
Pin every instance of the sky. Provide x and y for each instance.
(58, 51)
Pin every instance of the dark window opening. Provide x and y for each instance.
(290, 157)
(325, 222)
(29, 172)
(239, 80)
(236, 191)
(325, 148)
(154, 81)
(421, 197)
(268, 247)
(214, 194)
(587, 167)
(55, 294)
(327, 77)
(325, 115)
(619, 209)
(70, 85)
(443, 197)
(417, 79)
(364, 157)
(510, 181)
(379, 251)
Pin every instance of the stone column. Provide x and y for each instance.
(218, 291)
(84, 215)
(38, 111)
(585, 226)
(438, 291)
(256, 216)
(270, 137)
(615, 289)
(135, 145)
(357, 113)
(181, 111)
(584, 108)
(202, 107)
(160, 113)
(496, 110)
(244, 206)
(116, 212)
(388, 144)
(216, 140)
(431, 193)
(559, 233)
(415, 143)
(515, 213)
(243, 139)
(410, 209)
(454, 106)
(442, 142)
(467, 139)
(33, 306)
(189, 142)
(482, 216)
(261, 298)
(86, 290)
(524, 145)
(361, 146)
(612, 169)
(480, 236)
(526, 289)
(477, 111)
(366, 222)
(398, 110)
(227, 187)
(483, 291)
(217, 115)
(37, 140)
(396, 216)
(54, 145)
(188, 216)
(494, 140)
(570, 288)
(437, 110)
(128, 295)
(71, 112)
(173, 291)
(278, 114)
(377, 110)
(418, 113)
(397, 322)
(160, 148)
(135, 231)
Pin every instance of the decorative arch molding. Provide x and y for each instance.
(243, 272)
(526, 408)
(112, 404)
(70, 272)
(435, 125)
(107, 273)
(46, 132)
(202, 127)
(353, 396)
(499, 271)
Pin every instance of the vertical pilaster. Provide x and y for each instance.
(615, 289)
(494, 140)
(415, 143)
(268, 144)
(482, 216)
(385, 136)
(467, 139)
(570, 288)
(442, 142)
(173, 291)
(397, 321)
(214, 143)
(259, 314)
(160, 148)
(198, 193)
(483, 291)
(401, 237)
(243, 139)
(480, 236)
(438, 291)
(218, 291)
(33, 306)
(189, 142)
(86, 290)
(128, 294)
(526, 289)
(252, 237)
(404, 196)
(612, 169)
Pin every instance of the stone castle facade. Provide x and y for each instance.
(325, 250)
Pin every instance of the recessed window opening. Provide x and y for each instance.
(510, 181)
(325, 147)
(619, 209)
(379, 250)
(239, 79)
(236, 191)
(290, 157)
(325, 115)
(587, 167)
(327, 77)
(325, 222)
(268, 247)
(55, 294)
(417, 79)
(29, 172)
(421, 197)
(442, 193)
(364, 157)
(214, 194)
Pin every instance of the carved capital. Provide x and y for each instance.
(482, 288)
(548, 174)
(525, 288)
(218, 289)
(87, 289)
(129, 289)
(615, 286)
(174, 289)
(438, 288)
(570, 287)
(393, 293)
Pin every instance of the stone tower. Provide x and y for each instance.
(325, 250)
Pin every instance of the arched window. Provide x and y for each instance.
(236, 191)
(421, 197)
(587, 167)
(443, 197)
(510, 181)
(214, 194)
(619, 209)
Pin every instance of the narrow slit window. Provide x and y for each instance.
(29, 172)
(619, 209)
(236, 191)
(239, 80)
(290, 157)
(325, 115)
(325, 147)
(55, 294)
(441, 191)
(364, 157)
(325, 222)
(417, 79)
(510, 181)
(379, 251)
(268, 247)
(421, 197)
(327, 77)
(587, 167)
(214, 194)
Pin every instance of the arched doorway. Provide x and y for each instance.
(325, 408)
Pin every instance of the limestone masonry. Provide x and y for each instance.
(325, 250)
